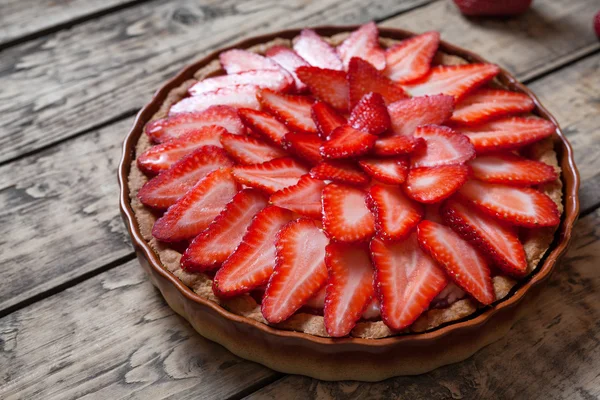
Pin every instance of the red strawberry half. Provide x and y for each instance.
(486, 104)
(270, 176)
(433, 184)
(411, 58)
(317, 52)
(294, 111)
(326, 119)
(345, 141)
(304, 145)
(443, 146)
(339, 171)
(510, 169)
(364, 78)
(397, 145)
(277, 80)
(238, 60)
(346, 217)
(234, 96)
(290, 61)
(302, 198)
(406, 115)
(328, 85)
(370, 115)
(363, 43)
(264, 124)
(387, 170)
(249, 150)
(395, 214)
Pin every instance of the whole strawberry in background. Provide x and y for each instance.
(597, 24)
(492, 7)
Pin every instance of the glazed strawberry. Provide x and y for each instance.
(492, 7)
(328, 85)
(342, 171)
(519, 206)
(294, 111)
(508, 133)
(264, 124)
(346, 217)
(303, 198)
(485, 104)
(407, 114)
(387, 170)
(443, 146)
(197, 208)
(397, 145)
(510, 169)
(433, 184)
(407, 280)
(234, 96)
(453, 80)
(465, 266)
(270, 176)
(162, 130)
(326, 119)
(252, 262)
(395, 214)
(304, 145)
(363, 43)
(411, 59)
(248, 150)
(317, 52)
(160, 157)
(300, 270)
(349, 287)
(238, 60)
(290, 61)
(346, 141)
(211, 247)
(363, 78)
(167, 188)
(277, 80)
(499, 242)
(370, 115)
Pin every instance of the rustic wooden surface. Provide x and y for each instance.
(79, 319)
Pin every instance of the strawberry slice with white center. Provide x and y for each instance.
(411, 59)
(346, 217)
(345, 141)
(317, 52)
(290, 61)
(349, 287)
(300, 270)
(433, 184)
(363, 78)
(370, 115)
(363, 43)
(510, 169)
(277, 80)
(294, 111)
(397, 145)
(328, 85)
(395, 214)
(453, 80)
(326, 119)
(465, 266)
(264, 124)
(443, 146)
(500, 242)
(211, 247)
(508, 133)
(234, 96)
(407, 280)
(407, 114)
(162, 130)
(486, 104)
(252, 262)
(161, 157)
(197, 208)
(238, 60)
(165, 189)
(387, 170)
(518, 206)
(302, 198)
(270, 176)
(249, 150)
(304, 145)
(341, 171)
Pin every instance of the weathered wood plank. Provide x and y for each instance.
(61, 84)
(114, 337)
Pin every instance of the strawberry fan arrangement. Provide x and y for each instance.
(359, 180)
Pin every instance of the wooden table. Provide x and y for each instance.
(78, 317)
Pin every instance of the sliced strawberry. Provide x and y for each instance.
(302, 198)
(345, 141)
(304, 145)
(386, 170)
(290, 61)
(264, 124)
(294, 111)
(339, 171)
(363, 43)
(317, 302)
(500, 242)
(326, 119)
(397, 145)
(162, 130)
(249, 150)
(277, 80)
(210, 248)
(234, 96)
(370, 115)
(252, 263)
(165, 189)
(519, 206)
(395, 214)
(411, 59)
(443, 146)
(349, 287)
(433, 184)
(160, 158)
(508, 133)
(346, 217)
(270, 176)
(460, 260)
(453, 80)
(373, 310)
(328, 85)
(300, 270)
(197, 208)
(510, 169)
(317, 52)
(407, 280)
(486, 104)
(238, 60)
(407, 114)
(364, 78)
